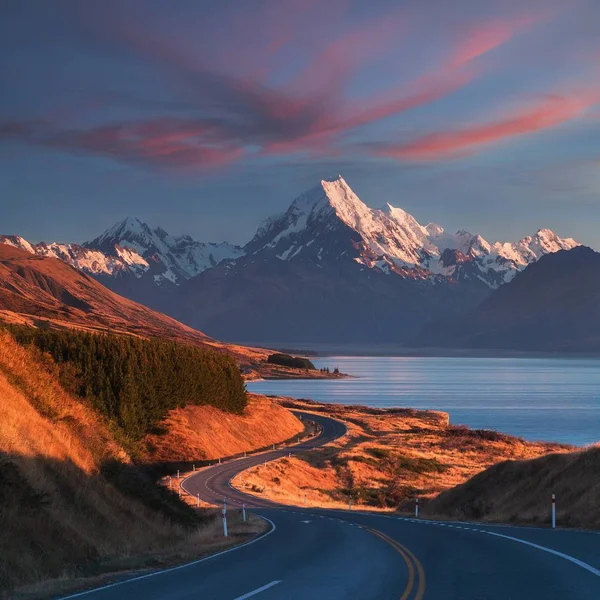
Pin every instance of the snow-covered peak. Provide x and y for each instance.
(329, 221)
(16, 241)
(174, 258)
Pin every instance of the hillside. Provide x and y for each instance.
(388, 458)
(520, 492)
(75, 505)
(204, 432)
(36, 289)
(59, 513)
(553, 305)
(47, 292)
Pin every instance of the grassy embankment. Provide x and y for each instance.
(520, 492)
(390, 457)
(73, 503)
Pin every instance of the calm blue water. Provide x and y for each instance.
(538, 398)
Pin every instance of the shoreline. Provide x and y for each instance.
(389, 457)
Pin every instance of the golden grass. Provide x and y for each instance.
(204, 541)
(204, 432)
(388, 458)
(521, 491)
(59, 515)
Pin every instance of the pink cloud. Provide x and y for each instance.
(551, 111)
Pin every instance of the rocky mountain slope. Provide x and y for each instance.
(132, 248)
(329, 268)
(332, 269)
(553, 305)
(330, 223)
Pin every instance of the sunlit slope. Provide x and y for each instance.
(203, 432)
(58, 512)
(521, 491)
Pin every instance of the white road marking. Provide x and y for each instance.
(190, 564)
(572, 559)
(258, 590)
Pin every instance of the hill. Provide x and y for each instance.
(553, 305)
(46, 292)
(520, 492)
(59, 512)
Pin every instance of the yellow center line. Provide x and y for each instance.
(409, 558)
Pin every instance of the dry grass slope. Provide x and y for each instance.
(520, 491)
(60, 516)
(389, 458)
(203, 432)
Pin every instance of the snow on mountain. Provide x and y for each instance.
(16, 241)
(327, 223)
(131, 247)
(330, 221)
(173, 258)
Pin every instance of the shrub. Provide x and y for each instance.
(287, 360)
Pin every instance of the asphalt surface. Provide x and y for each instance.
(314, 554)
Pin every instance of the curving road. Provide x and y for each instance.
(322, 554)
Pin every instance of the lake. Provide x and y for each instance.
(547, 399)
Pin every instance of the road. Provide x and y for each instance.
(323, 554)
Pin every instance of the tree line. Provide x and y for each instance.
(134, 382)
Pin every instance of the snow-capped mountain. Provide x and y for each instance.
(132, 248)
(172, 258)
(330, 222)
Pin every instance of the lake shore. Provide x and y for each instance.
(389, 458)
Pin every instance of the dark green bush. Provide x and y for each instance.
(287, 360)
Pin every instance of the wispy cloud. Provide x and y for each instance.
(235, 113)
(550, 111)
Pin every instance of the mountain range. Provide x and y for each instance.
(552, 306)
(329, 268)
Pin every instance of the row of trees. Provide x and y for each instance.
(135, 382)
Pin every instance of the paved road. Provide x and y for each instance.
(322, 554)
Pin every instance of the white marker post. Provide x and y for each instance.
(273, 446)
(350, 504)
(169, 482)
(219, 461)
(265, 463)
(244, 512)
(198, 500)
(193, 467)
(417, 508)
(553, 511)
(177, 473)
(244, 454)
(224, 518)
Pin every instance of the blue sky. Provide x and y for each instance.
(206, 117)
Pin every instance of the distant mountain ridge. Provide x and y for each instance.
(329, 268)
(132, 248)
(553, 305)
(392, 240)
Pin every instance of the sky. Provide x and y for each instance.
(205, 117)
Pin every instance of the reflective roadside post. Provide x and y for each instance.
(553, 511)
(417, 508)
(224, 511)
